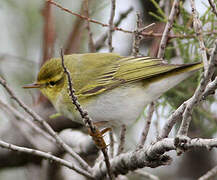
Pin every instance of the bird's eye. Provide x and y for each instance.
(52, 83)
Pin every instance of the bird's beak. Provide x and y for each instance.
(33, 85)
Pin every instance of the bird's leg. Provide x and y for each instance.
(98, 137)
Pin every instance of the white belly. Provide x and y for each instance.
(124, 105)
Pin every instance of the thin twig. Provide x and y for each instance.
(46, 126)
(45, 156)
(210, 89)
(111, 144)
(147, 126)
(178, 36)
(137, 37)
(122, 139)
(91, 45)
(198, 29)
(198, 93)
(111, 25)
(87, 18)
(156, 122)
(100, 42)
(211, 174)
(167, 29)
(174, 117)
(88, 122)
(27, 121)
(213, 6)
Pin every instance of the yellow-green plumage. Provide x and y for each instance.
(102, 79)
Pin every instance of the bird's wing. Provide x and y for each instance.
(124, 70)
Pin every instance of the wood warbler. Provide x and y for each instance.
(113, 89)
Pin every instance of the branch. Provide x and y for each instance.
(111, 25)
(88, 122)
(46, 126)
(122, 139)
(210, 89)
(167, 29)
(198, 29)
(174, 117)
(147, 125)
(137, 37)
(27, 121)
(131, 161)
(213, 6)
(111, 145)
(45, 156)
(99, 43)
(87, 18)
(195, 99)
(91, 45)
(152, 156)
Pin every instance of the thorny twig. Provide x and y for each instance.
(94, 132)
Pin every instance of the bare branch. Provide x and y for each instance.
(47, 127)
(45, 156)
(111, 145)
(174, 117)
(213, 6)
(122, 139)
(27, 121)
(198, 29)
(195, 99)
(87, 18)
(152, 156)
(147, 126)
(91, 45)
(111, 24)
(100, 42)
(168, 27)
(137, 37)
(210, 89)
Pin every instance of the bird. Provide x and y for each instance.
(113, 89)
